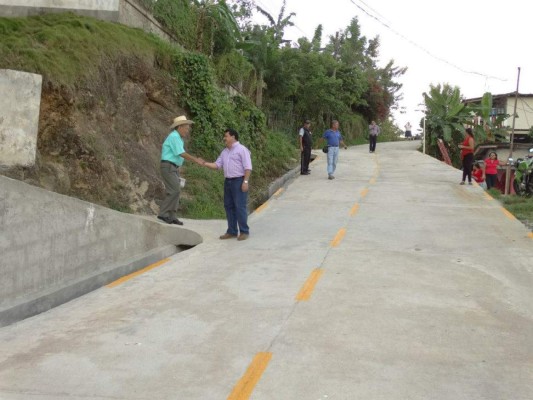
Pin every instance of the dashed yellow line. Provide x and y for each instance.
(372, 181)
(364, 192)
(338, 237)
(136, 273)
(530, 234)
(354, 209)
(508, 214)
(307, 289)
(244, 388)
(261, 207)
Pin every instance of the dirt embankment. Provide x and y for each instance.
(101, 142)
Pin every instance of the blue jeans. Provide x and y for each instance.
(333, 155)
(235, 204)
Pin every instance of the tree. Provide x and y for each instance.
(446, 116)
(217, 20)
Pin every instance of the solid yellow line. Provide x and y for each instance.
(278, 192)
(309, 285)
(261, 207)
(338, 237)
(136, 273)
(488, 196)
(244, 388)
(508, 214)
(530, 234)
(354, 209)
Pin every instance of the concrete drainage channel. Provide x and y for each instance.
(56, 248)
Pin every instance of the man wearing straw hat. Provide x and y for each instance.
(172, 156)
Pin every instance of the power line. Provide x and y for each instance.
(422, 48)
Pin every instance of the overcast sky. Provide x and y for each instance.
(476, 45)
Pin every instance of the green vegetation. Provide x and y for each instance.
(67, 49)
(521, 207)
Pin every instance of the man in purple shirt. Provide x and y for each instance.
(236, 163)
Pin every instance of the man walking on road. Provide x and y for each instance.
(306, 143)
(373, 135)
(172, 156)
(334, 139)
(236, 162)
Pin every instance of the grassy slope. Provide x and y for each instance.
(68, 50)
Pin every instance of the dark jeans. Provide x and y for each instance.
(468, 161)
(305, 159)
(373, 140)
(491, 180)
(235, 202)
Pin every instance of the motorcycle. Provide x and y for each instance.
(523, 175)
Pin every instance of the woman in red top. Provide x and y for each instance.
(467, 155)
(491, 169)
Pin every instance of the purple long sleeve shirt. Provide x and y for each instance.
(234, 161)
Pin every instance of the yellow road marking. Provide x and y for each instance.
(338, 237)
(354, 209)
(372, 181)
(136, 273)
(309, 285)
(530, 234)
(364, 192)
(244, 388)
(278, 192)
(508, 214)
(488, 196)
(261, 207)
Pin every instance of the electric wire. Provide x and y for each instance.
(422, 48)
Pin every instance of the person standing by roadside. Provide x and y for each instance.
(172, 156)
(236, 162)
(306, 143)
(334, 139)
(491, 169)
(467, 155)
(373, 132)
(408, 134)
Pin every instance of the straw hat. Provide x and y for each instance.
(181, 120)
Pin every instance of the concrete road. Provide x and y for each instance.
(390, 282)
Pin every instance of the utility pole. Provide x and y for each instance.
(508, 170)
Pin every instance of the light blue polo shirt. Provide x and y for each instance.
(173, 146)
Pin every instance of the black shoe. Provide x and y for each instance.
(304, 173)
(164, 219)
(176, 222)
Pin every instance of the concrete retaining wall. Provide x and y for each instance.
(127, 12)
(55, 248)
(134, 15)
(101, 9)
(20, 100)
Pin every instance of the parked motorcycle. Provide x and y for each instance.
(523, 175)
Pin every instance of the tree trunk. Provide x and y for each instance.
(259, 90)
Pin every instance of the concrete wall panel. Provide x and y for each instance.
(55, 247)
(20, 100)
(108, 5)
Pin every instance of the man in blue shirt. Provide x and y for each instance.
(172, 156)
(334, 139)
